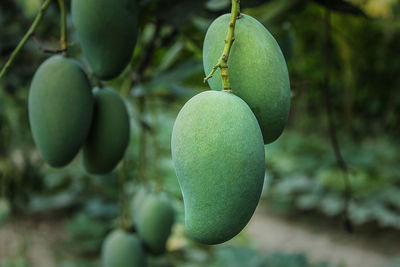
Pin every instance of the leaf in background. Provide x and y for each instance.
(342, 6)
(331, 204)
(53, 202)
(171, 56)
(177, 75)
(217, 5)
(202, 23)
(307, 201)
(86, 234)
(276, 11)
(178, 12)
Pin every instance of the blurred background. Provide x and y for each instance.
(332, 188)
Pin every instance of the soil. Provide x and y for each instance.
(37, 241)
(322, 242)
(34, 241)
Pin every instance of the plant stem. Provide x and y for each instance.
(3, 185)
(156, 148)
(230, 37)
(23, 41)
(341, 163)
(123, 209)
(142, 142)
(63, 22)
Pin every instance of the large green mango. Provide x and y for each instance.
(122, 249)
(109, 133)
(107, 31)
(60, 109)
(218, 153)
(154, 221)
(257, 71)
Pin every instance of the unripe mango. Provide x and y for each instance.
(136, 204)
(109, 133)
(107, 31)
(218, 154)
(257, 71)
(60, 109)
(122, 249)
(154, 222)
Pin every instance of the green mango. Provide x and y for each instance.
(257, 71)
(136, 204)
(109, 133)
(218, 154)
(122, 249)
(60, 107)
(154, 222)
(4, 210)
(107, 31)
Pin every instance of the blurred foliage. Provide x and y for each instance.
(166, 70)
(302, 174)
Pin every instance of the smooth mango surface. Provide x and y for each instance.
(122, 249)
(60, 109)
(257, 71)
(107, 31)
(154, 222)
(109, 133)
(218, 154)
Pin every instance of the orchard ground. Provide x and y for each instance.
(34, 241)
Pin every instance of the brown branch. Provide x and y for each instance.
(331, 122)
(46, 50)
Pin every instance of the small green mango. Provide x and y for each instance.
(107, 31)
(257, 71)
(122, 249)
(218, 154)
(154, 222)
(4, 210)
(109, 133)
(136, 204)
(60, 109)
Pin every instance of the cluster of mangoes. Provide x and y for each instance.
(64, 114)
(153, 217)
(218, 137)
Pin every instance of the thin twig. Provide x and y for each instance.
(146, 59)
(156, 148)
(331, 123)
(230, 38)
(46, 50)
(63, 27)
(123, 221)
(23, 41)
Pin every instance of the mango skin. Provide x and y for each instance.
(109, 133)
(107, 31)
(257, 71)
(154, 222)
(219, 158)
(122, 249)
(60, 106)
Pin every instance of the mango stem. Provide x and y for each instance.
(63, 23)
(230, 38)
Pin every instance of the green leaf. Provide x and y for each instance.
(217, 5)
(342, 6)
